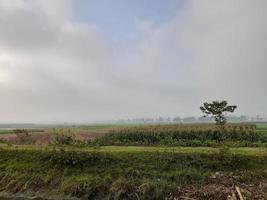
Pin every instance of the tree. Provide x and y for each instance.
(218, 109)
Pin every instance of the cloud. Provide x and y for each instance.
(49, 63)
(56, 68)
(227, 41)
(211, 50)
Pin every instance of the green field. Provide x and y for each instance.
(136, 149)
(262, 127)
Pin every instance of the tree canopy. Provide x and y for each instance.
(218, 109)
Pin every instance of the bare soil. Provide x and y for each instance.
(215, 191)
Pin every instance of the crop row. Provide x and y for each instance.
(180, 137)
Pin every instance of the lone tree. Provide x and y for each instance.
(218, 109)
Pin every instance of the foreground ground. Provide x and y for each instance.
(133, 172)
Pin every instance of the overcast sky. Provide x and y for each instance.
(85, 60)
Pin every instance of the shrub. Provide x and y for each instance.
(23, 136)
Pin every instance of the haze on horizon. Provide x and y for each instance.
(77, 60)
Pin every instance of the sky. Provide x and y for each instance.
(88, 60)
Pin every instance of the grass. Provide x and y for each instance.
(262, 127)
(123, 172)
(96, 129)
(129, 149)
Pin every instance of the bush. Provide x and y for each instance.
(23, 136)
(61, 138)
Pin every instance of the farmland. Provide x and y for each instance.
(175, 161)
(262, 127)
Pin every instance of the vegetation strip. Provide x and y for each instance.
(238, 150)
(125, 173)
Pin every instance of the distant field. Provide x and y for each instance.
(99, 129)
(11, 130)
(262, 126)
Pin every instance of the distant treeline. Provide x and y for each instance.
(233, 119)
(17, 126)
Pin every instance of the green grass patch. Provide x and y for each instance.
(123, 172)
(261, 126)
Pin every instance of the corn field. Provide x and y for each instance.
(184, 135)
